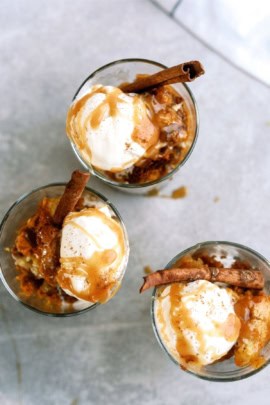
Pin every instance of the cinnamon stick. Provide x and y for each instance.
(238, 277)
(185, 72)
(71, 195)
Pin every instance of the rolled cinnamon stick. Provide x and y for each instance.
(238, 277)
(71, 195)
(185, 72)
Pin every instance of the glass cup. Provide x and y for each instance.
(125, 70)
(225, 370)
(15, 217)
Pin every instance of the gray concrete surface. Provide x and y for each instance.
(110, 355)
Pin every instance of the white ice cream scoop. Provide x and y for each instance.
(110, 129)
(196, 321)
(93, 255)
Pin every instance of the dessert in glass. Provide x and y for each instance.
(211, 310)
(64, 248)
(133, 124)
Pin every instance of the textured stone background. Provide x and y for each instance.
(110, 355)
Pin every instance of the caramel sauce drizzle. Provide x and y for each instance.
(145, 132)
(77, 127)
(180, 320)
(73, 126)
(110, 103)
(110, 222)
(161, 318)
(98, 287)
(83, 230)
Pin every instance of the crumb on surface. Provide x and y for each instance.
(147, 270)
(153, 192)
(180, 192)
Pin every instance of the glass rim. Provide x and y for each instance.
(220, 376)
(107, 180)
(22, 198)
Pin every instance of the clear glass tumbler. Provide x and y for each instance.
(15, 217)
(226, 252)
(125, 70)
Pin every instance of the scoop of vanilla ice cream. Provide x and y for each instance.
(103, 125)
(93, 255)
(196, 322)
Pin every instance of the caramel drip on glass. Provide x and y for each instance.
(160, 316)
